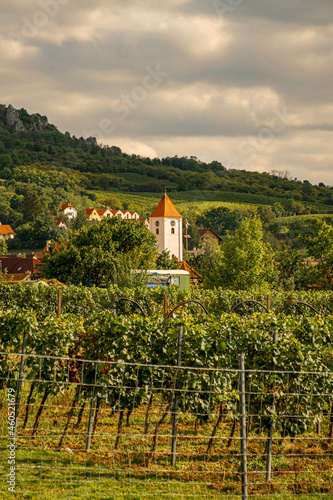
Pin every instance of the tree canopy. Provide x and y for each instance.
(101, 254)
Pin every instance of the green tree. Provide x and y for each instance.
(32, 204)
(207, 263)
(266, 214)
(221, 220)
(320, 246)
(246, 261)
(101, 254)
(287, 262)
(3, 246)
(164, 261)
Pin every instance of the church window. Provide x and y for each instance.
(172, 230)
(157, 231)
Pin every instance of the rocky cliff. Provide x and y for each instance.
(16, 120)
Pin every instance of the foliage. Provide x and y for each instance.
(246, 261)
(60, 160)
(210, 346)
(165, 261)
(320, 247)
(3, 246)
(288, 267)
(221, 220)
(101, 253)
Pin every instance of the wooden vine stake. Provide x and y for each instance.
(59, 303)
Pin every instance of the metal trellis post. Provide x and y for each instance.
(19, 382)
(242, 415)
(175, 405)
(271, 429)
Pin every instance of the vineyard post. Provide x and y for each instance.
(175, 405)
(91, 413)
(59, 303)
(165, 305)
(271, 428)
(242, 415)
(268, 302)
(19, 382)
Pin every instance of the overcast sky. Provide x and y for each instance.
(245, 82)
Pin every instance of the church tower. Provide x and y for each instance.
(167, 225)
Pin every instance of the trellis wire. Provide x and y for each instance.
(227, 481)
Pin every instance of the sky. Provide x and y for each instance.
(244, 82)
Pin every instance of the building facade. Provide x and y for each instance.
(166, 223)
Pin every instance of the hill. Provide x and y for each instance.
(27, 140)
(40, 168)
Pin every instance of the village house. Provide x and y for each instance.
(18, 267)
(117, 213)
(104, 212)
(207, 234)
(6, 232)
(61, 222)
(69, 210)
(91, 214)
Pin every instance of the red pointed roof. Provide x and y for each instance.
(165, 208)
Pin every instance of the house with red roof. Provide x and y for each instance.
(91, 214)
(61, 222)
(69, 210)
(6, 231)
(104, 212)
(18, 267)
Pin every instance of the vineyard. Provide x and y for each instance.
(113, 401)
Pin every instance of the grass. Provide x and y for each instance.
(302, 469)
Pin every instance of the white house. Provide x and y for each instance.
(166, 223)
(104, 212)
(61, 222)
(117, 213)
(69, 210)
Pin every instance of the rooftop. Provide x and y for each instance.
(165, 208)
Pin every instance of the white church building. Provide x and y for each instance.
(166, 223)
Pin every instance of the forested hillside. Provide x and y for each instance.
(40, 168)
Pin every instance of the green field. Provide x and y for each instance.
(196, 202)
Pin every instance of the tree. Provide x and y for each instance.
(221, 220)
(287, 262)
(246, 261)
(164, 261)
(101, 254)
(320, 248)
(32, 204)
(206, 264)
(266, 214)
(3, 246)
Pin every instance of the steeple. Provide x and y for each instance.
(165, 208)
(166, 224)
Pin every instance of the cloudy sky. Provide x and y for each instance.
(245, 82)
